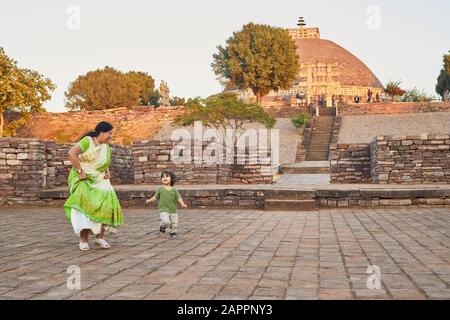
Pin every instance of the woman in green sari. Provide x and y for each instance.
(92, 206)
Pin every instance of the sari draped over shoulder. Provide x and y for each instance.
(92, 202)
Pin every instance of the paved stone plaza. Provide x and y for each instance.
(229, 254)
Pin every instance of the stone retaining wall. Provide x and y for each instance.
(58, 164)
(392, 108)
(411, 159)
(222, 198)
(23, 170)
(254, 198)
(288, 112)
(404, 159)
(350, 163)
(151, 157)
(382, 198)
(28, 165)
(121, 165)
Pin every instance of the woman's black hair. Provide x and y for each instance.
(172, 176)
(102, 126)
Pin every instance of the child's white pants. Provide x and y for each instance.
(169, 220)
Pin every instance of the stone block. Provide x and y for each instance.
(435, 201)
(405, 202)
(22, 156)
(13, 162)
(5, 176)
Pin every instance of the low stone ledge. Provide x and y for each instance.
(255, 198)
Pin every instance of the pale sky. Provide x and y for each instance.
(174, 40)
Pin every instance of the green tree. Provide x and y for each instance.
(102, 89)
(447, 62)
(21, 90)
(155, 99)
(259, 57)
(177, 101)
(146, 86)
(443, 81)
(222, 112)
(194, 101)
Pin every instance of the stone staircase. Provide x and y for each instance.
(307, 167)
(322, 131)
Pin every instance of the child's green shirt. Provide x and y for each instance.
(167, 199)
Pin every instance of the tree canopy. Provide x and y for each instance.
(259, 57)
(146, 86)
(443, 81)
(21, 90)
(223, 111)
(177, 101)
(109, 88)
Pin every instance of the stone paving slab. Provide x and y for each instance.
(232, 254)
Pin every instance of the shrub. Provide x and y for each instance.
(300, 120)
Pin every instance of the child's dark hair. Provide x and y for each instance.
(172, 176)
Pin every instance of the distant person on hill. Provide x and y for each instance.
(298, 99)
(369, 96)
(377, 98)
(322, 101)
(168, 197)
(356, 99)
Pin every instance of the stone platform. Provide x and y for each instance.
(281, 196)
(231, 254)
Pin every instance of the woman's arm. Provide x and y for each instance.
(107, 174)
(73, 157)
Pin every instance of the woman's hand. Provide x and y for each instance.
(82, 175)
(107, 175)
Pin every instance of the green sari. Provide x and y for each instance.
(93, 201)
